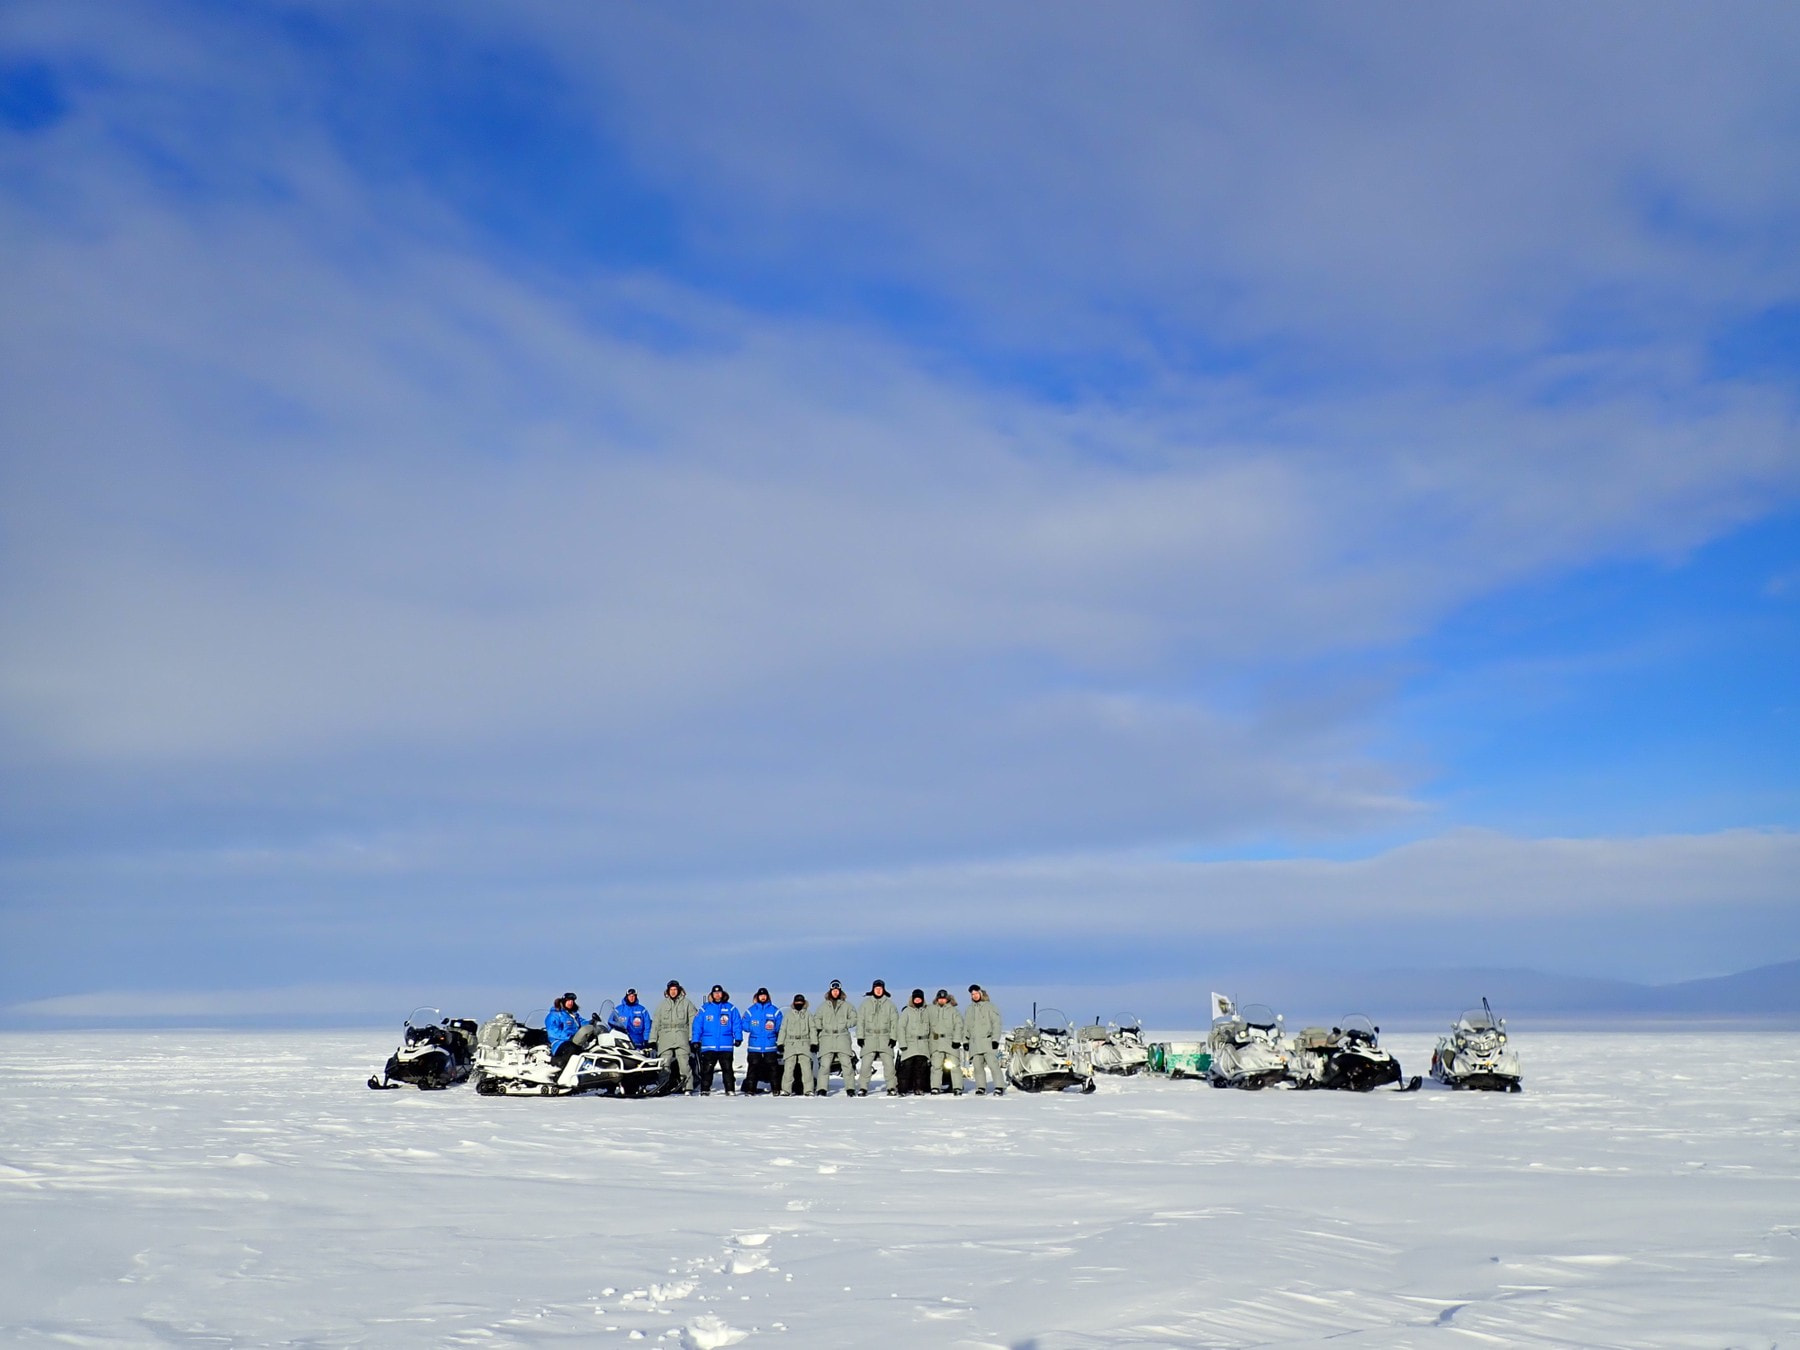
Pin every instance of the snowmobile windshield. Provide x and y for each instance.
(1358, 1026)
(1479, 1019)
(424, 1017)
(1258, 1015)
(1052, 1022)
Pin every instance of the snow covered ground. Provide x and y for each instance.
(194, 1188)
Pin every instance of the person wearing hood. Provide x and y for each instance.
(912, 1036)
(718, 1030)
(796, 1040)
(983, 1024)
(762, 1028)
(568, 1034)
(632, 1018)
(877, 1027)
(834, 1022)
(947, 1037)
(673, 1037)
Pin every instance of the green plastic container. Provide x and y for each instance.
(1179, 1059)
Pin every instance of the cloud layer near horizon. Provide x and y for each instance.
(656, 450)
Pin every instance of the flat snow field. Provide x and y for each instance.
(191, 1188)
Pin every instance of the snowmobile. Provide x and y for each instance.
(1042, 1056)
(1348, 1057)
(1117, 1047)
(1247, 1048)
(513, 1060)
(433, 1054)
(1475, 1054)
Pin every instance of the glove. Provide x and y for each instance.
(995, 1044)
(814, 1049)
(861, 1044)
(694, 1047)
(956, 1045)
(736, 1043)
(892, 1044)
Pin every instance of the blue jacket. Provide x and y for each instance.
(560, 1025)
(762, 1023)
(634, 1020)
(718, 1026)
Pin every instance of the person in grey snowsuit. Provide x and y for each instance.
(673, 1030)
(983, 1024)
(947, 1036)
(795, 1041)
(877, 1028)
(913, 1045)
(833, 1024)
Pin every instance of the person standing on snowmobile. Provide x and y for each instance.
(632, 1018)
(795, 1040)
(913, 1044)
(719, 1030)
(983, 1024)
(877, 1027)
(563, 1025)
(835, 1021)
(762, 1025)
(672, 1026)
(947, 1036)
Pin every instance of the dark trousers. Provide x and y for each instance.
(715, 1061)
(762, 1067)
(915, 1074)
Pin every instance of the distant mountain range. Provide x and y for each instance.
(1765, 992)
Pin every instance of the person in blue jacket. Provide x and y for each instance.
(564, 1027)
(632, 1018)
(762, 1025)
(718, 1031)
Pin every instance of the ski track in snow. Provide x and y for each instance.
(219, 1189)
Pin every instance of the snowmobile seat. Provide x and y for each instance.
(536, 1036)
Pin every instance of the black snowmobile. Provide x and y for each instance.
(432, 1054)
(1348, 1058)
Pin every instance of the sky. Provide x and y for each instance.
(504, 499)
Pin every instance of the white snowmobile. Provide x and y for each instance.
(1348, 1057)
(1475, 1054)
(1042, 1056)
(1117, 1047)
(513, 1060)
(1246, 1046)
(435, 1052)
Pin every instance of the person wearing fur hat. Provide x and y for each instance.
(983, 1024)
(947, 1036)
(877, 1028)
(912, 1036)
(672, 1033)
(719, 1030)
(762, 1028)
(832, 1026)
(797, 1047)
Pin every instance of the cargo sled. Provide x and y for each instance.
(1475, 1054)
(514, 1060)
(435, 1052)
(1178, 1059)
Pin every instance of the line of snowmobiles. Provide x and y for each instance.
(1248, 1049)
(507, 1058)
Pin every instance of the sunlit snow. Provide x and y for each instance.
(209, 1188)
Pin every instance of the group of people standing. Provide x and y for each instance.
(919, 1046)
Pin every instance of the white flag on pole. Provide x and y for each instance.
(1221, 1007)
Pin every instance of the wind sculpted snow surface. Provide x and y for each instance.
(215, 1189)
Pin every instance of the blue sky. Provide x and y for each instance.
(803, 490)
